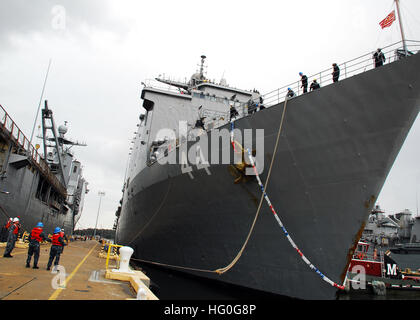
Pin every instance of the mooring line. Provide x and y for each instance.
(265, 196)
(17, 288)
(324, 277)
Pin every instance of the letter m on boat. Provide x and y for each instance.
(391, 269)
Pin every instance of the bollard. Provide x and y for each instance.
(125, 255)
(141, 294)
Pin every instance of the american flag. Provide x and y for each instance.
(388, 20)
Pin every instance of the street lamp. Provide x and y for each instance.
(100, 194)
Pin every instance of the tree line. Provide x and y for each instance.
(103, 233)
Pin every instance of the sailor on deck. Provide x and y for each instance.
(233, 112)
(304, 79)
(336, 72)
(379, 58)
(290, 93)
(56, 248)
(37, 235)
(314, 85)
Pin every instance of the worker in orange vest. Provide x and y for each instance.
(36, 237)
(56, 248)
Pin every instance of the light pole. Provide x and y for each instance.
(100, 194)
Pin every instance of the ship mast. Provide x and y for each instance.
(47, 114)
(397, 2)
(203, 57)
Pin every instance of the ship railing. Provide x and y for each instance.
(154, 84)
(367, 256)
(217, 119)
(393, 52)
(408, 245)
(19, 138)
(111, 250)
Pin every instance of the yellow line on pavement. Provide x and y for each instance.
(58, 291)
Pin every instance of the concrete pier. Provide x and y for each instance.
(82, 276)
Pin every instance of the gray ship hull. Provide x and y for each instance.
(337, 147)
(30, 186)
(22, 201)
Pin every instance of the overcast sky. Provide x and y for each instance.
(102, 50)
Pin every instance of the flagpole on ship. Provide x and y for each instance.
(397, 2)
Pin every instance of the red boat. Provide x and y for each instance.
(379, 264)
(372, 262)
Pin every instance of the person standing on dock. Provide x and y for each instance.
(12, 237)
(56, 248)
(37, 235)
(5, 230)
(304, 80)
(336, 72)
(66, 240)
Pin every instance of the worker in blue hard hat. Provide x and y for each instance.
(36, 237)
(304, 80)
(56, 248)
(290, 93)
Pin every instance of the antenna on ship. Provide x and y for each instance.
(397, 3)
(203, 57)
(40, 100)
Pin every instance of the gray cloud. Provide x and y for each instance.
(22, 17)
(107, 48)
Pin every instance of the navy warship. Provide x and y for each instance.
(190, 203)
(37, 187)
